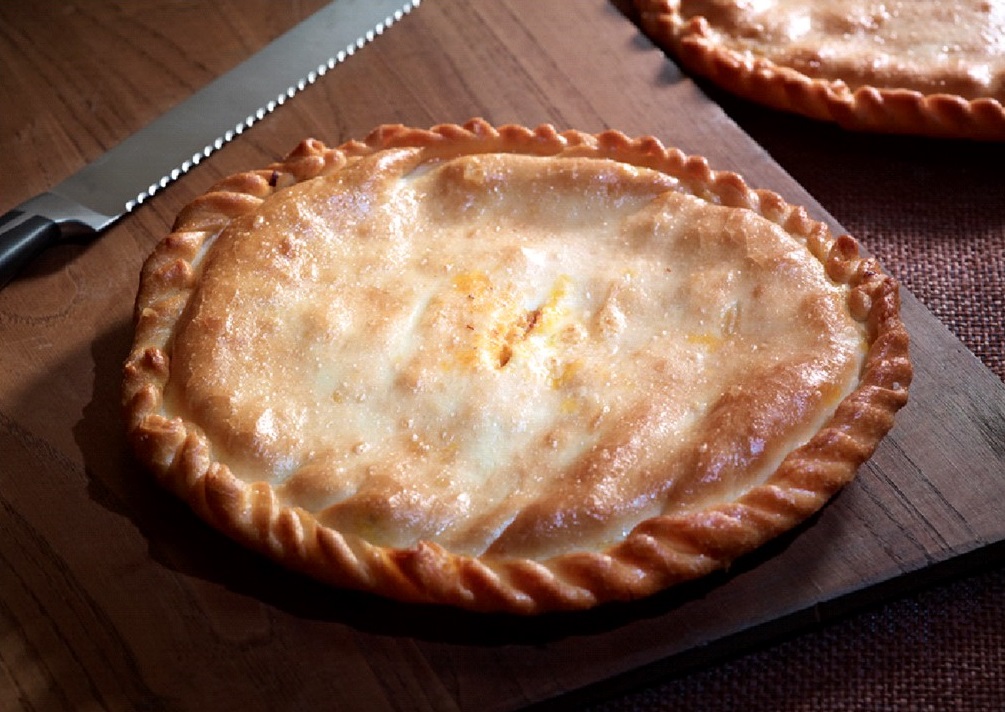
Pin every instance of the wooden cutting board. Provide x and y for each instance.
(113, 594)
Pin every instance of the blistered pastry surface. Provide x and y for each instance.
(507, 369)
(931, 46)
(906, 66)
(511, 354)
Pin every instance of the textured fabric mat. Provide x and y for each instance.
(941, 650)
(933, 212)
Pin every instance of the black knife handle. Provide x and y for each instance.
(22, 237)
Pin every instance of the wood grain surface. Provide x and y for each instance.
(114, 596)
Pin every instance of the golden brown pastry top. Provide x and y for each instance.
(518, 351)
(933, 46)
(511, 354)
(931, 67)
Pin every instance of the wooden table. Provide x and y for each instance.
(113, 596)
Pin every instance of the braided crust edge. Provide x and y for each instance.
(757, 79)
(658, 553)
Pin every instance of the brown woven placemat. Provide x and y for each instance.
(939, 650)
(933, 212)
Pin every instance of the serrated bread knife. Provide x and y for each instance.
(105, 190)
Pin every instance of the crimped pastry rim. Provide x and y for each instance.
(867, 108)
(658, 553)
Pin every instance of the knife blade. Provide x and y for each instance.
(114, 184)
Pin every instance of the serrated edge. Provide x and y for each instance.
(308, 79)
